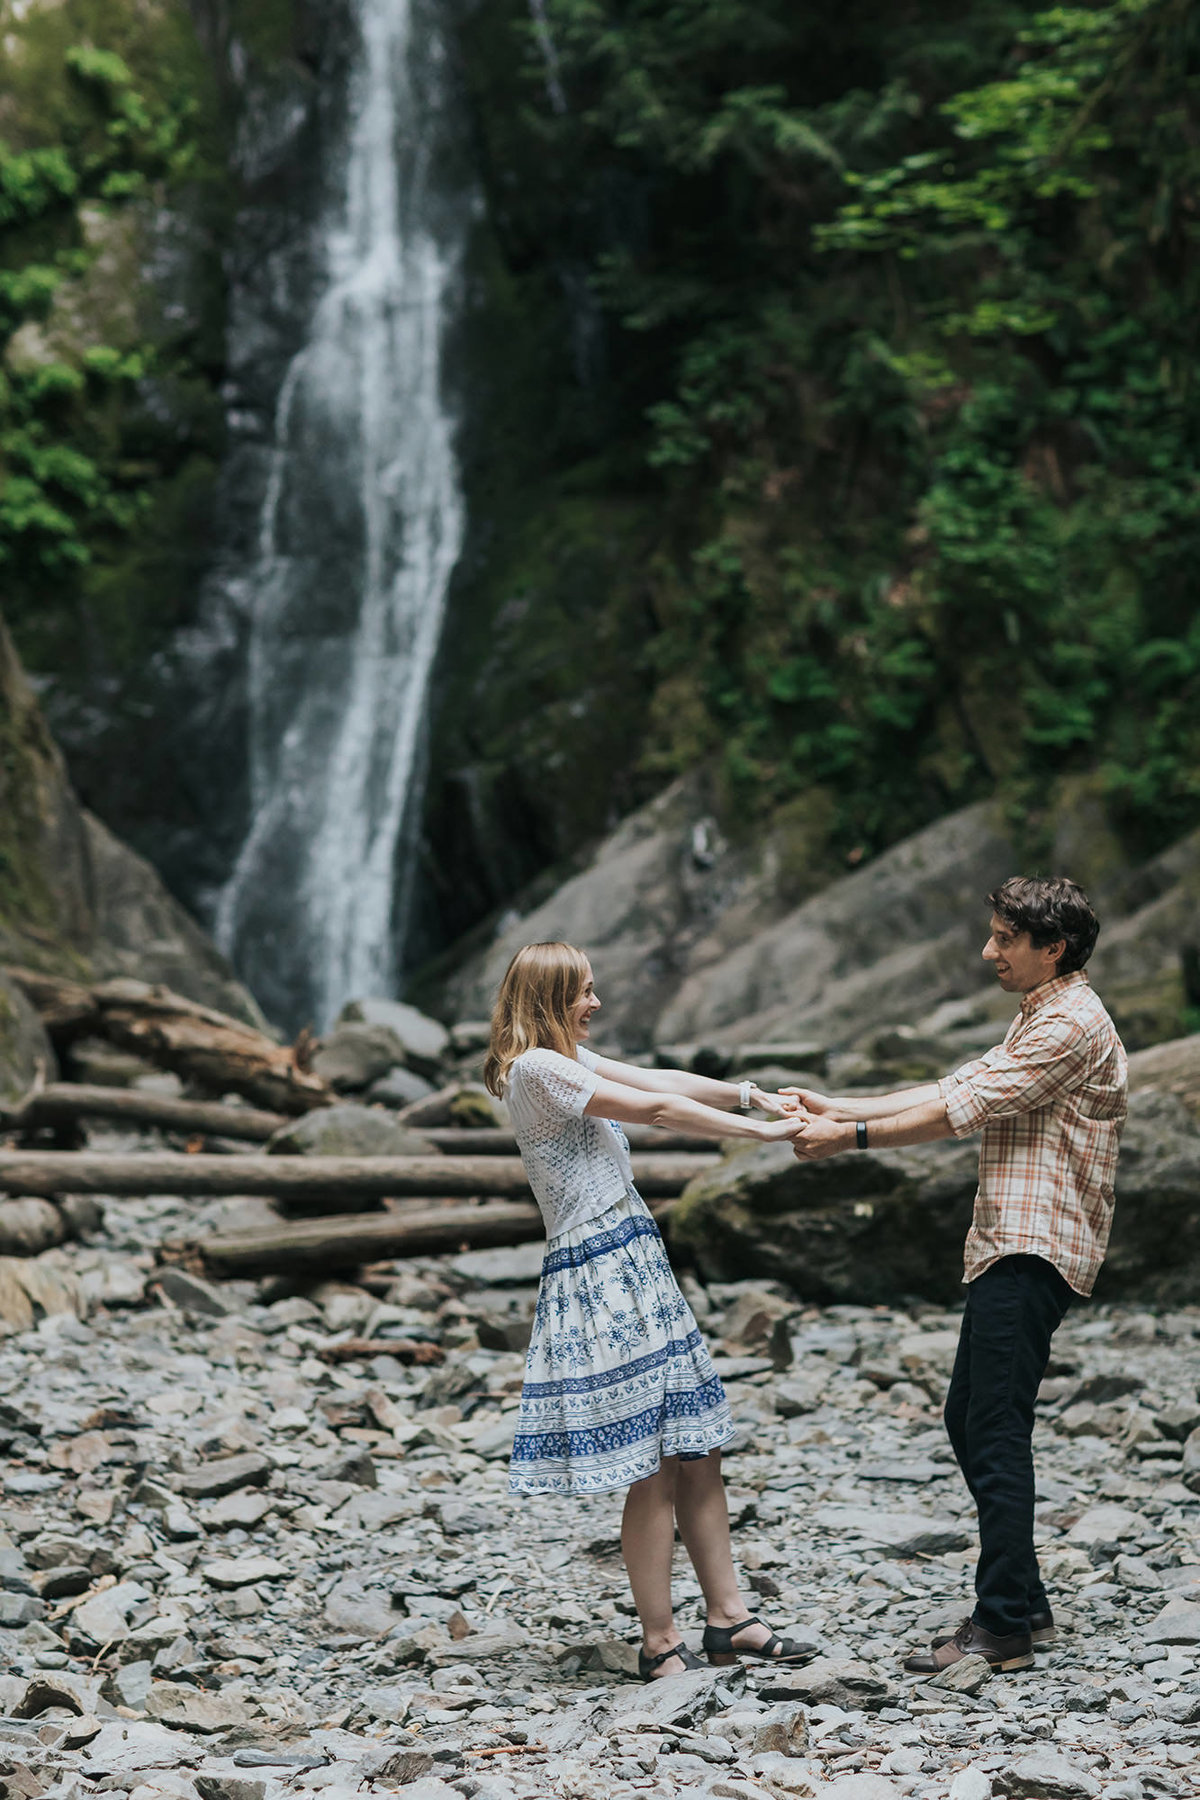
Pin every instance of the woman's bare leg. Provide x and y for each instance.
(647, 1544)
(703, 1517)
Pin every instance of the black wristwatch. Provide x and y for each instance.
(860, 1134)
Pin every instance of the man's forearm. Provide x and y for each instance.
(883, 1106)
(923, 1124)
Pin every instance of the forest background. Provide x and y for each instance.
(828, 380)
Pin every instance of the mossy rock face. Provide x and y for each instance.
(25, 1050)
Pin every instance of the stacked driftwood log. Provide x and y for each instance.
(456, 1187)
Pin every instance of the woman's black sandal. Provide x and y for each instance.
(648, 1664)
(718, 1645)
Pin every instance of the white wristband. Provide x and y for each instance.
(744, 1096)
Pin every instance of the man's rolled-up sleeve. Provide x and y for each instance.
(1048, 1061)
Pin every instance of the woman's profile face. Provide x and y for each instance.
(583, 1008)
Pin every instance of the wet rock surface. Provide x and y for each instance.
(232, 1568)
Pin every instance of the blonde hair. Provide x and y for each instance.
(533, 1008)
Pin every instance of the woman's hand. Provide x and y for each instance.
(787, 1130)
(769, 1103)
(807, 1100)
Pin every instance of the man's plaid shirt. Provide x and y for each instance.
(1051, 1103)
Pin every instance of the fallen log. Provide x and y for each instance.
(309, 1245)
(203, 1047)
(67, 1101)
(497, 1142)
(300, 1178)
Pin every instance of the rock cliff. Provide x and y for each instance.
(696, 940)
(73, 899)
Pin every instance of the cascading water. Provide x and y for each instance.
(360, 529)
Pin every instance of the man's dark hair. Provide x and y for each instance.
(1049, 909)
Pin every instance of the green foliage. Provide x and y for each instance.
(902, 320)
(109, 115)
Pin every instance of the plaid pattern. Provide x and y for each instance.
(1051, 1103)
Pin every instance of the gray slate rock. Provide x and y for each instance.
(224, 1476)
(684, 1700)
(861, 1787)
(20, 1609)
(829, 1681)
(967, 1676)
(193, 1294)
(186, 1708)
(971, 1783)
(363, 1611)
(1048, 1775)
(900, 1534)
(216, 1786)
(1177, 1623)
(104, 1617)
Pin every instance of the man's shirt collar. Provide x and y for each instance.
(1046, 991)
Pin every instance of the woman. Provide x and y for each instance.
(619, 1388)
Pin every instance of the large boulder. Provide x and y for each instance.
(876, 1226)
(348, 1130)
(867, 1228)
(1170, 1068)
(351, 1057)
(1155, 1248)
(424, 1042)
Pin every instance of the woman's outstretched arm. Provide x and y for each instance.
(723, 1095)
(679, 1112)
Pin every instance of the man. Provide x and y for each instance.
(1050, 1102)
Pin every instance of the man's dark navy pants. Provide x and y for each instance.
(1013, 1310)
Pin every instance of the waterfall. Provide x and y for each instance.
(359, 531)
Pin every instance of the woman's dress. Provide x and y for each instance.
(617, 1375)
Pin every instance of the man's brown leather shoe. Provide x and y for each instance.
(1012, 1652)
(1041, 1629)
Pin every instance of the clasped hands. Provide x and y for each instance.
(806, 1120)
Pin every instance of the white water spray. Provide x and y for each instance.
(360, 529)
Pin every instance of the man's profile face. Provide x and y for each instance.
(1019, 963)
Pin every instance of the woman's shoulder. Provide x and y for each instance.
(548, 1075)
(542, 1061)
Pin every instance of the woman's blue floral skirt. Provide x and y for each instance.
(617, 1375)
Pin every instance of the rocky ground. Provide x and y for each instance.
(238, 1562)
